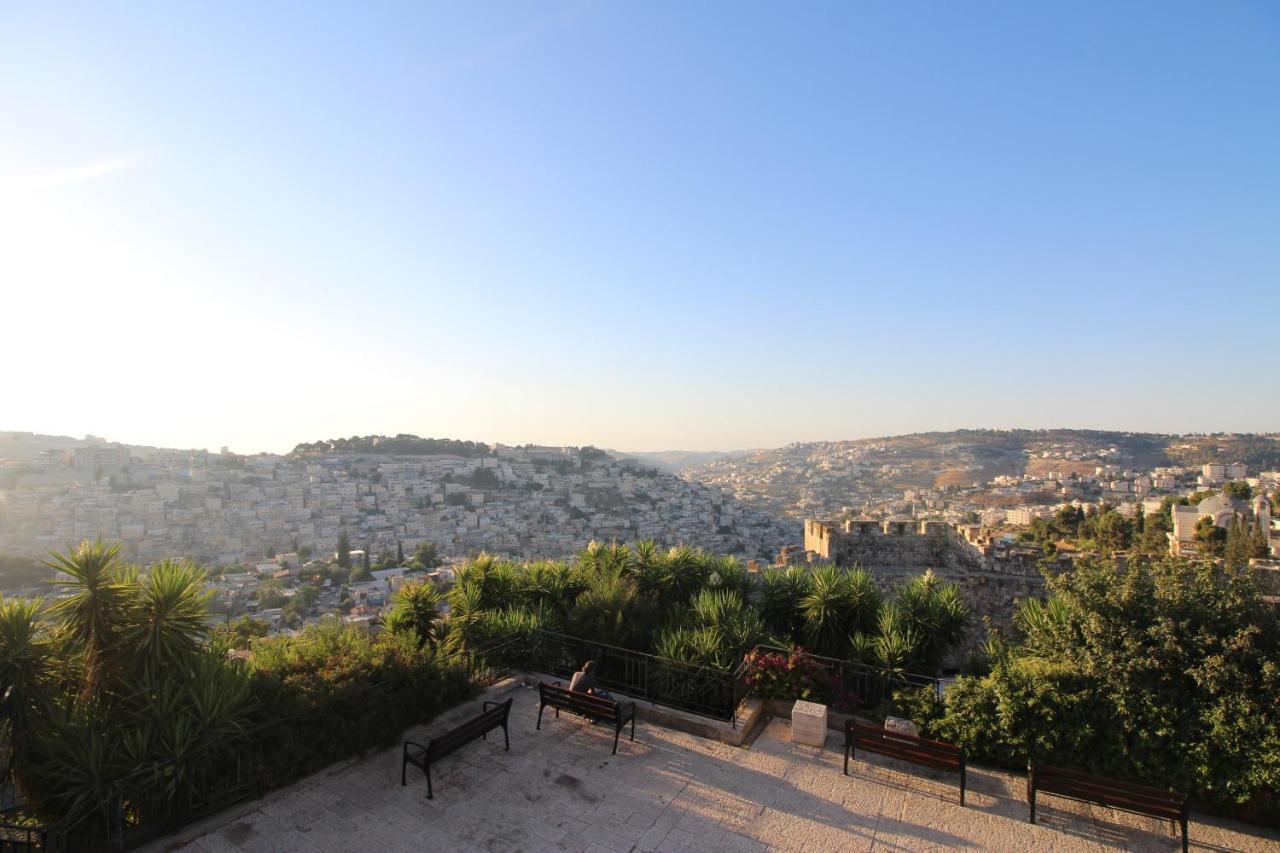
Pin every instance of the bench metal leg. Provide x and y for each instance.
(427, 769)
(846, 759)
(541, 708)
(633, 726)
(962, 783)
(506, 737)
(1184, 833)
(404, 765)
(617, 731)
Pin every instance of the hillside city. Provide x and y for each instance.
(998, 479)
(263, 524)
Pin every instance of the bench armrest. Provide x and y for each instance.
(410, 743)
(489, 703)
(628, 710)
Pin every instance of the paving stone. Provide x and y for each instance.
(561, 789)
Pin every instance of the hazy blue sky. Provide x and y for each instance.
(645, 226)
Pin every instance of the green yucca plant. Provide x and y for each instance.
(415, 609)
(780, 592)
(837, 603)
(936, 612)
(729, 573)
(26, 673)
(91, 616)
(165, 620)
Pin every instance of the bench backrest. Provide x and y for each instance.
(578, 702)
(1117, 793)
(439, 747)
(897, 745)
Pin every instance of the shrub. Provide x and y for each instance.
(1165, 673)
(791, 675)
(335, 690)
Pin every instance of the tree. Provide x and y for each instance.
(344, 550)
(93, 612)
(1239, 545)
(1209, 537)
(270, 594)
(26, 672)
(839, 603)
(1238, 489)
(362, 572)
(1068, 520)
(416, 606)
(135, 684)
(1162, 672)
(243, 631)
(166, 621)
(299, 606)
(1258, 546)
(1110, 530)
(425, 556)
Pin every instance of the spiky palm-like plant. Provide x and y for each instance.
(610, 611)
(466, 602)
(415, 609)
(728, 573)
(165, 622)
(645, 555)
(780, 593)
(684, 572)
(26, 673)
(92, 614)
(737, 625)
(936, 612)
(837, 603)
(1042, 624)
(897, 644)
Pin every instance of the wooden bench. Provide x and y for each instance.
(1159, 803)
(494, 715)
(587, 705)
(917, 750)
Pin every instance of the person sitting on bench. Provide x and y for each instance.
(584, 681)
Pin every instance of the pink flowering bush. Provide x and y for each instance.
(789, 675)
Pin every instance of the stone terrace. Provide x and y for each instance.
(560, 789)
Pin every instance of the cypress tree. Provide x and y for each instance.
(344, 550)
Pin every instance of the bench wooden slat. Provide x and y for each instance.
(1113, 794)
(917, 750)
(1118, 794)
(586, 705)
(449, 742)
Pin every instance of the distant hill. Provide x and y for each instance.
(403, 444)
(674, 461)
(822, 477)
(27, 446)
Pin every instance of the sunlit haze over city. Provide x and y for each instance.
(639, 226)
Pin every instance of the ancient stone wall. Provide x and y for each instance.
(992, 577)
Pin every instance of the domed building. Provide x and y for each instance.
(1223, 509)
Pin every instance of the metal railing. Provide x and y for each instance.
(856, 686)
(702, 690)
(15, 838)
(203, 783)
